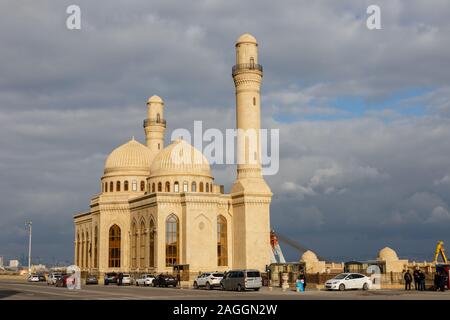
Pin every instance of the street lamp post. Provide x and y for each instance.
(29, 223)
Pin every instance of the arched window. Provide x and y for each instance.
(114, 247)
(103, 187)
(78, 250)
(134, 185)
(106, 186)
(142, 185)
(88, 253)
(111, 186)
(118, 186)
(159, 186)
(222, 240)
(167, 189)
(158, 118)
(254, 101)
(153, 187)
(252, 62)
(185, 186)
(207, 187)
(142, 242)
(151, 256)
(82, 250)
(172, 240)
(201, 187)
(96, 247)
(159, 146)
(194, 187)
(126, 185)
(133, 245)
(176, 187)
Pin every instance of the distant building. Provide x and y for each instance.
(1, 261)
(13, 263)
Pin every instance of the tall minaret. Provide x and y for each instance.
(251, 196)
(155, 125)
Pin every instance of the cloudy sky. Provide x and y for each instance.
(364, 115)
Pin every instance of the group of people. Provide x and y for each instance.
(419, 280)
(418, 276)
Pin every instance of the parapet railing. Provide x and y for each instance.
(148, 122)
(246, 66)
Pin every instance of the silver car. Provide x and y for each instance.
(241, 280)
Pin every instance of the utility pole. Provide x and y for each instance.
(29, 223)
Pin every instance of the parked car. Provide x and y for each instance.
(33, 278)
(62, 281)
(91, 279)
(165, 280)
(51, 280)
(241, 280)
(126, 279)
(110, 277)
(346, 281)
(145, 280)
(42, 278)
(208, 280)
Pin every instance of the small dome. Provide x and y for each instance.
(155, 99)
(129, 156)
(180, 158)
(309, 256)
(246, 37)
(387, 254)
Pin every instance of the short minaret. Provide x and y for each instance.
(251, 196)
(155, 124)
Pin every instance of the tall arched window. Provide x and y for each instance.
(194, 187)
(142, 242)
(88, 253)
(106, 186)
(207, 187)
(96, 247)
(222, 248)
(252, 62)
(159, 186)
(153, 187)
(133, 245)
(111, 186)
(126, 185)
(118, 186)
(82, 250)
(78, 250)
(172, 240)
(201, 187)
(158, 118)
(185, 186)
(114, 247)
(176, 187)
(151, 256)
(142, 185)
(167, 188)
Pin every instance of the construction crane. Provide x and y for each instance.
(440, 250)
(276, 253)
(276, 249)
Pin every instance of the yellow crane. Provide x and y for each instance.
(440, 250)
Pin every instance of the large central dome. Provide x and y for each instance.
(129, 156)
(180, 158)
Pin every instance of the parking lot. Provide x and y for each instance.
(22, 290)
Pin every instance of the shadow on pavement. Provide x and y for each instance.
(7, 293)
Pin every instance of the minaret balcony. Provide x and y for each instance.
(152, 122)
(242, 67)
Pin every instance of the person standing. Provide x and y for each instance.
(408, 280)
(302, 278)
(442, 281)
(437, 280)
(421, 281)
(416, 278)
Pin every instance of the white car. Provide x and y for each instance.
(51, 280)
(145, 280)
(33, 278)
(126, 280)
(346, 281)
(208, 280)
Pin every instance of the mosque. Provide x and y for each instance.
(155, 211)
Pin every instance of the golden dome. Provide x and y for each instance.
(309, 256)
(180, 158)
(246, 38)
(129, 156)
(155, 99)
(387, 254)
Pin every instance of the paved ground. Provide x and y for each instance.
(18, 289)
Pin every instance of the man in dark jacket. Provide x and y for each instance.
(416, 279)
(408, 280)
(421, 280)
(442, 281)
(437, 280)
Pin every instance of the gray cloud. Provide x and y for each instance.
(346, 187)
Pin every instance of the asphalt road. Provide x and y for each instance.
(22, 290)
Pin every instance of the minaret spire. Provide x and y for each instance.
(155, 124)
